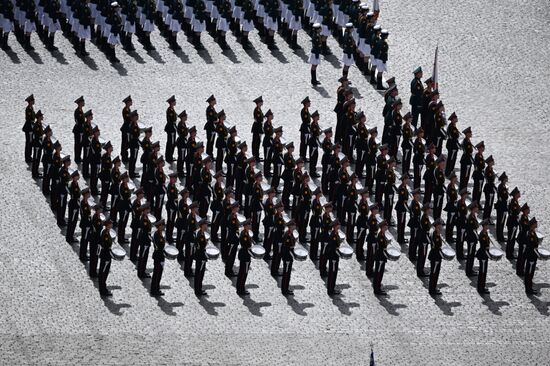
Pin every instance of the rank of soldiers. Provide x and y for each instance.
(204, 205)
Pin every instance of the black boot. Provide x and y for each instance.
(28, 45)
(345, 72)
(4, 41)
(379, 85)
(51, 44)
(314, 80)
(148, 45)
(83, 48)
(129, 44)
(294, 42)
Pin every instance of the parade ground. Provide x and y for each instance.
(493, 71)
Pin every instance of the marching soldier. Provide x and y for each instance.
(87, 134)
(277, 157)
(257, 129)
(303, 207)
(343, 93)
(362, 224)
(423, 239)
(170, 129)
(79, 118)
(232, 224)
(133, 144)
(37, 134)
(489, 188)
(483, 257)
(415, 211)
(245, 243)
(466, 160)
(452, 144)
(439, 186)
(30, 117)
(171, 207)
(74, 207)
(94, 158)
(417, 89)
(333, 258)
(268, 142)
(158, 258)
(287, 256)
(277, 240)
(250, 178)
(47, 156)
(512, 222)
(200, 257)
(181, 143)
(429, 174)
(531, 256)
(372, 149)
(401, 208)
(350, 208)
(326, 220)
(435, 257)
(53, 175)
(314, 59)
(381, 245)
(313, 144)
(418, 158)
(471, 238)
(181, 222)
(315, 224)
(269, 222)
(62, 189)
(123, 208)
(256, 205)
(115, 185)
(192, 147)
(134, 224)
(479, 169)
(125, 128)
(381, 174)
(217, 206)
(502, 205)
(95, 239)
(522, 236)
(105, 258)
(389, 191)
(211, 117)
(361, 146)
(145, 227)
(372, 240)
(105, 172)
(451, 208)
(462, 223)
(205, 188)
(189, 239)
(325, 159)
(305, 127)
(85, 226)
(382, 59)
(407, 143)
(288, 173)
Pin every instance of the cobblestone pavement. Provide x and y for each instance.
(493, 72)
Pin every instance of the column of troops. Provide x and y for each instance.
(223, 198)
(109, 24)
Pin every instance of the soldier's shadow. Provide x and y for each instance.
(168, 307)
(343, 307)
(296, 306)
(59, 57)
(113, 307)
(231, 56)
(13, 56)
(182, 56)
(541, 306)
(493, 306)
(35, 56)
(333, 60)
(279, 55)
(90, 62)
(209, 306)
(253, 54)
(205, 55)
(156, 56)
(301, 53)
(390, 307)
(253, 306)
(319, 89)
(445, 306)
(119, 67)
(136, 56)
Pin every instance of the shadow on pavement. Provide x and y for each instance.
(493, 306)
(209, 306)
(156, 56)
(13, 56)
(231, 56)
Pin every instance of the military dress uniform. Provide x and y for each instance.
(381, 245)
(531, 257)
(483, 257)
(466, 161)
(231, 157)
(451, 209)
(422, 239)
(415, 212)
(435, 259)
(401, 209)
(372, 150)
(105, 261)
(105, 174)
(489, 189)
(145, 227)
(200, 262)
(270, 213)
(325, 162)
(181, 224)
(95, 162)
(305, 128)
(47, 157)
(452, 144)
(267, 144)
(257, 130)
(315, 228)
(95, 240)
(171, 209)
(115, 193)
(417, 89)
(418, 159)
(286, 254)
(78, 129)
(522, 240)
(125, 129)
(123, 209)
(37, 135)
(429, 174)
(333, 260)
(181, 143)
(256, 207)
(288, 175)
(438, 191)
(472, 240)
(85, 227)
(277, 243)
(389, 192)
(74, 208)
(30, 117)
(63, 190)
(189, 242)
(407, 145)
(209, 127)
(232, 243)
(133, 145)
(171, 132)
(501, 206)
(216, 207)
(159, 243)
(478, 177)
(461, 225)
(313, 144)
(245, 243)
(512, 224)
(326, 220)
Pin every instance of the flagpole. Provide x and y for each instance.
(435, 71)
